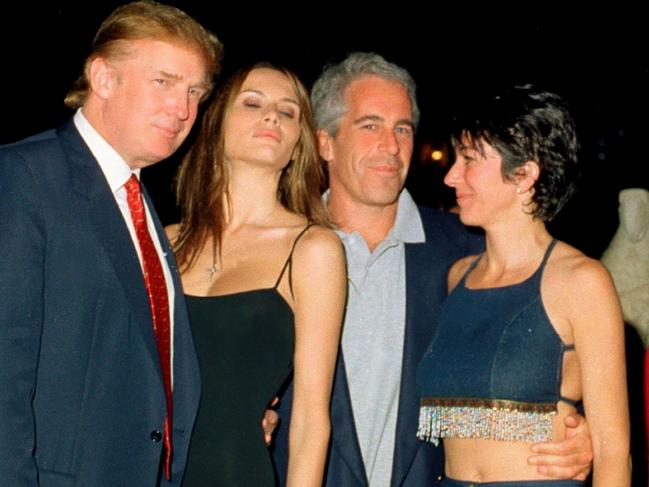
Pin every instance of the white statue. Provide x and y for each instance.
(627, 258)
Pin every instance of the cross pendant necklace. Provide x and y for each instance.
(212, 270)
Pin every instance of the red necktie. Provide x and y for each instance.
(156, 288)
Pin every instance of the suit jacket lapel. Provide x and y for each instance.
(108, 224)
(420, 260)
(344, 438)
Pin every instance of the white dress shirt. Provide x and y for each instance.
(117, 172)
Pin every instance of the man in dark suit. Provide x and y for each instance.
(398, 257)
(92, 394)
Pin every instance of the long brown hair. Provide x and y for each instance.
(202, 179)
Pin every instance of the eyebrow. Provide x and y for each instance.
(377, 118)
(202, 84)
(472, 145)
(461, 148)
(170, 75)
(261, 93)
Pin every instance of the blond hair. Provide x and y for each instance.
(146, 20)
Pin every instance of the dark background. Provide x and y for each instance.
(596, 58)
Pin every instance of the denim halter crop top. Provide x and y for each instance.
(493, 369)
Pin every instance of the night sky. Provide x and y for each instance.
(596, 59)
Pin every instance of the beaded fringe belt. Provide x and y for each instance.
(485, 418)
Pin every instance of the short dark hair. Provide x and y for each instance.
(525, 124)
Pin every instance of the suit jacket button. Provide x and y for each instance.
(155, 436)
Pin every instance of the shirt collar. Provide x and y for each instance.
(408, 227)
(114, 167)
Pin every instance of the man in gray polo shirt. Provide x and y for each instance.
(397, 256)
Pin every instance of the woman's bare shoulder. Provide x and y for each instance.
(318, 239)
(577, 280)
(572, 267)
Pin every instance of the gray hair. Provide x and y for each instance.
(328, 92)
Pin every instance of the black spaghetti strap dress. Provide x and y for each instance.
(245, 343)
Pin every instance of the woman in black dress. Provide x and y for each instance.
(264, 278)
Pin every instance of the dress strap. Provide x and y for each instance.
(471, 267)
(548, 251)
(287, 264)
(567, 400)
(538, 273)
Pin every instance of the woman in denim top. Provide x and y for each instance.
(530, 322)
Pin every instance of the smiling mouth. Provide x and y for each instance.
(388, 170)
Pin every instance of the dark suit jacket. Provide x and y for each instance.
(82, 395)
(416, 463)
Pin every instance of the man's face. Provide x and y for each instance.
(370, 155)
(151, 100)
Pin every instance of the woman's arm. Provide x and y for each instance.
(596, 319)
(319, 286)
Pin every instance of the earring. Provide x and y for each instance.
(518, 190)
